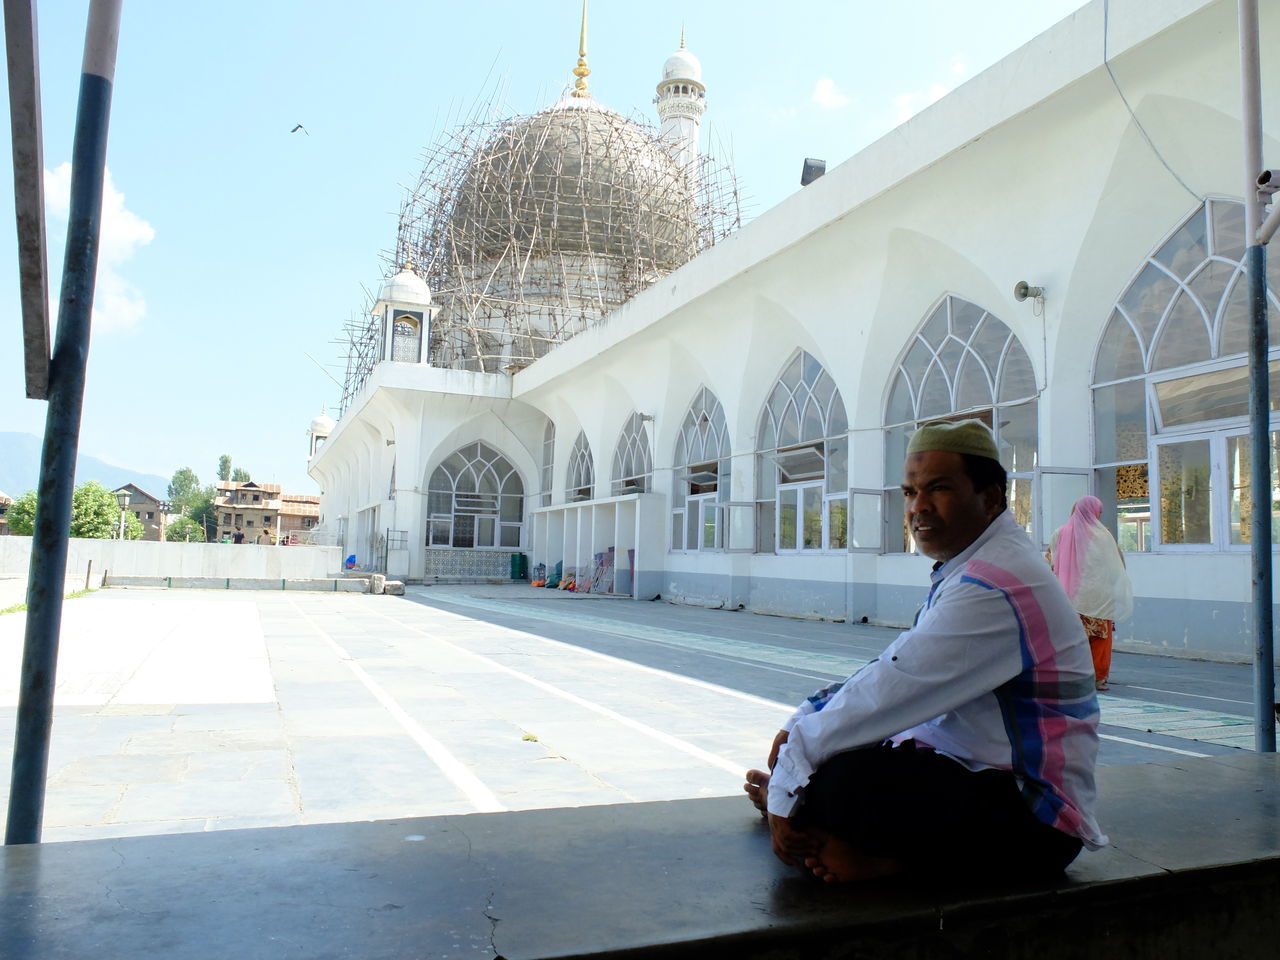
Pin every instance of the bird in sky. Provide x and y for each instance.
(300, 127)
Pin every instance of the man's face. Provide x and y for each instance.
(944, 513)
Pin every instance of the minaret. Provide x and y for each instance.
(681, 102)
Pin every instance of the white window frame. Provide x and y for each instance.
(799, 487)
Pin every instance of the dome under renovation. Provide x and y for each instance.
(530, 229)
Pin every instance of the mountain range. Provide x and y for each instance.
(20, 469)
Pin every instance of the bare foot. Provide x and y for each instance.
(757, 788)
(836, 861)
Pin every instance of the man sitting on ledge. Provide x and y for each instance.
(968, 748)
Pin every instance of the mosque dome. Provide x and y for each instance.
(575, 179)
(405, 287)
(682, 65)
(322, 425)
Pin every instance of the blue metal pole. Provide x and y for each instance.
(62, 430)
(1264, 678)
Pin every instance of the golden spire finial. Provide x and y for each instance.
(581, 71)
(682, 36)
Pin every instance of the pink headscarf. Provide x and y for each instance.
(1073, 542)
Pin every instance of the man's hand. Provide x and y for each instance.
(778, 741)
(790, 845)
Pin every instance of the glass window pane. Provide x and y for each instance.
(1185, 249)
(710, 527)
(1184, 492)
(764, 527)
(1228, 229)
(917, 361)
(900, 408)
(895, 453)
(837, 422)
(964, 318)
(1233, 325)
(1210, 283)
(484, 531)
(812, 426)
(1018, 434)
(837, 465)
(1239, 465)
(1119, 355)
(789, 428)
(512, 509)
(691, 520)
(935, 396)
(787, 517)
(791, 375)
(464, 533)
(1126, 505)
(1184, 338)
(897, 538)
(1017, 379)
(865, 517)
(441, 532)
(510, 535)
(989, 342)
(766, 478)
(1020, 501)
(973, 389)
(1217, 395)
(677, 529)
(838, 524)
(935, 328)
(950, 354)
(1146, 299)
(813, 518)
(1120, 422)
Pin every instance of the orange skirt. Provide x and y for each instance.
(1100, 633)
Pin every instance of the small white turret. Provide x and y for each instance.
(405, 309)
(321, 426)
(681, 102)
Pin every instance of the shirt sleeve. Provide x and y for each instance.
(963, 647)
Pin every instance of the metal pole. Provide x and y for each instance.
(1259, 406)
(62, 430)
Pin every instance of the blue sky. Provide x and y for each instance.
(232, 248)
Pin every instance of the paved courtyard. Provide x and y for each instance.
(183, 711)
(200, 710)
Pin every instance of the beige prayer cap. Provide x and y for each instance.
(965, 436)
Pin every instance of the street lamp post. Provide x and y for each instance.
(122, 500)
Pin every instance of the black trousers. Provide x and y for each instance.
(912, 804)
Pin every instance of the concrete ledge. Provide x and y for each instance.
(1192, 873)
(327, 585)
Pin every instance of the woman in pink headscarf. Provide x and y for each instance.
(1086, 559)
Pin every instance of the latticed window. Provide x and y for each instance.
(963, 363)
(633, 458)
(802, 489)
(580, 473)
(475, 499)
(406, 338)
(701, 483)
(548, 461)
(1171, 392)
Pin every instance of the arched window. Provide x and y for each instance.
(581, 474)
(406, 341)
(1170, 392)
(548, 461)
(964, 363)
(475, 499)
(701, 483)
(632, 459)
(802, 489)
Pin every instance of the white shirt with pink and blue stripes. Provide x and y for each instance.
(995, 673)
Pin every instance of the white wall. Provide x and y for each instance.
(141, 558)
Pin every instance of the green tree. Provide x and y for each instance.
(240, 475)
(95, 515)
(184, 530)
(22, 515)
(184, 485)
(203, 510)
(224, 467)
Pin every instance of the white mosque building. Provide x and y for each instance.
(725, 424)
